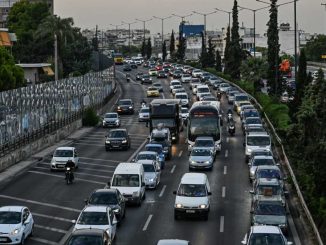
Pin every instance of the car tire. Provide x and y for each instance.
(124, 213)
(139, 202)
(32, 232)
(22, 241)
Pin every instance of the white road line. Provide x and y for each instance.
(225, 170)
(180, 153)
(136, 152)
(227, 139)
(223, 191)
(51, 217)
(95, 164)
(162, 191)
(77, 173)
(147, 222)
(41, 203)
(79, 179)
(50, 228)
(97, 159)
(226, 153)
(173, 168)
(222, 224)
(41, 240)
(90, 169)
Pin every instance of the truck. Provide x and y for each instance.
(168, 113)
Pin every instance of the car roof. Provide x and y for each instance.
(268, 181)
(259, 134)
(172, 242)
(147, 152)
(127, 167)
(204, 138)
(200, 148)
(265, 229)
(12, 208)
(90, 231)
(263, 157)
(194, 178)
(153, 145)
(125, 100)
(182, 93)
(65, 148)
(118, 129)
(270, 167)
(109, 190)
(95, 208)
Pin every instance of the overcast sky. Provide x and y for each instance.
(311, 16)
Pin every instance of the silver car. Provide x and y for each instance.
(201, 158)
(143, 115)
(152, 173)
(205, 142)
(259, 161)
(111, 119)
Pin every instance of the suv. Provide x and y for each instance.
(111, 119)
(125, 106)
(256, 140)
(117, 139)
(89, 236)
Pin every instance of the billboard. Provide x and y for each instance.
(191, 30)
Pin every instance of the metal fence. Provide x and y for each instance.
(28, 113)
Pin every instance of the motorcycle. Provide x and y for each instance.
(69, 176)
(219, 95)
(229, 117)
(231, 129)
(128, 77)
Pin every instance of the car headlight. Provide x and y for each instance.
(107, 142)
(207, 162)
(130, 107)
(173, 137)
(104, 121)
(53, 161)
(179, 205)
(15, 231)
(135, 194)
(203, 206)
(249, 150)
(193, 162)
(151, 180)
(124, 141)
(119, 107)
(116, 210)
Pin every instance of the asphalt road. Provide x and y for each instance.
(54, 204)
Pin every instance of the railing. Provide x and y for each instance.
(30, 113)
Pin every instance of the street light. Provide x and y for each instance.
(254, 12)
(162, 19)
(182, 19)
(129, 24)
(144, 21)
(204, 14)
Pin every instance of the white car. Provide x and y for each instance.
(202, 89)
(183, 97)
(16, 224)
(173, 83)
(186, 78)
(184, 113)
(143, 115)
(152, 173)
(111, 119)
(196, 73)
(173, 242)
(97, 217)
(62, 155)
(224, 87)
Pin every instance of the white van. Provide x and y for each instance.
(256, 141)
(128, 178)
(62, 155)
(192, 196)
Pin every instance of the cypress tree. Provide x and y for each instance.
(149, 48)
(273, 52)
(203, 55)
(172, 44)
(143, 49)
(164, 52)
(182, 45)
(218, 61)
(210, 53)
(227, 52)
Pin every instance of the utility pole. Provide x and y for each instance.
(56, 73)
(204, 14)
(227, 12)
(144, 23)
(129, 35)
(162, 19)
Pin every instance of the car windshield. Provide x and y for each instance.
(209, 98)
(63, 153)
(99, 198)
(253, 121)
(181, 96)
(260, 162)
(241, 97)
(266, 239)
(258, 140)
(126, 180)
(184, 110)
(268, 190)
(166, 121)
(86, 240)
(124, 102)
(9, 217)
(190, 190)
(93, 218)
(146, 76)
(117, 134)
(110, 115)
(269, 174)
(202, 90)
(204, 143)
(149, 168)
(200, 152)
(269, 209)
(144, 110)
(186, 75)
(251, 114)
(154, 148)
(146, 157)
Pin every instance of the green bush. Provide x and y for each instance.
(90, 118)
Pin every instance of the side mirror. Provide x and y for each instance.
(174, 192)
(142, 183)
(252, 192)
(26, 222)
(209, 193)
(286, 194)
(114, 222)
(133, 160)
(244, 144)
(86, 201)
(289, 243)
(109, 184)
(73, 221)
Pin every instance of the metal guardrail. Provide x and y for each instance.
(30, 113)
(317, 64)
(288, 165)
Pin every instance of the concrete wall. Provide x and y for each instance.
(27, 151)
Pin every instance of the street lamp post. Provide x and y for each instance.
(144, 23)
(129, 36)
(204, 14)
(254, 12)
(162, 19)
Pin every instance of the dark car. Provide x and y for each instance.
(177, 74)
(109, 197)
(133, 65)
(139, 75)
(161, 74)
(126, 67)
(146, 79)
(125, 106)
(117, 139)
(160, 138)
(89, 237)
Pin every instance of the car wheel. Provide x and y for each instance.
(22, 241)
(32, 231)
(144, 196)
(139, 202)
(124, 213)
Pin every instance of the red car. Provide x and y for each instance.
(159, 67)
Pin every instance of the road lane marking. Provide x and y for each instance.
(95, 164)
(62, 177)
(98, 159)
(173, 168)
(223, 191)
(90, 169)
(136, 152)
(41, 240)
(162, 191)
(147, 222)
(41, 203)
(180, 153)
(227, 139)
(225, 170)
(51, 217)
(50, 228)
(222, 224)
(77, 173)
(226, 153)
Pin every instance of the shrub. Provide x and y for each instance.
(90, 117)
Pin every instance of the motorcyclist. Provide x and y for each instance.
(128, 76)
(231, 126)
(143, 103)
(70, 164)
(229, 115)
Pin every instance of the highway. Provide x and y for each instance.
(54, 204)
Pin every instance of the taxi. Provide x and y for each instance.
(153, 92)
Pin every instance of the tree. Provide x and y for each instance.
(235, 51)
(172, 44)
(316, 47)
(11, 76)
(182, 46)
(210, 53)
(218, 61)
(227, 51)
(164, 52)
(143, 48)
(149, 48)
(203, 54)
(273, 51)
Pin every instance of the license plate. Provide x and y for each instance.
(190, 211)
(3, 239)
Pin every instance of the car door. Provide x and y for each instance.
(157, 173)
(76, 158)
(122, 202)
(27, 222)
(113, 223)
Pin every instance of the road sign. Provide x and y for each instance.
(323, 56)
